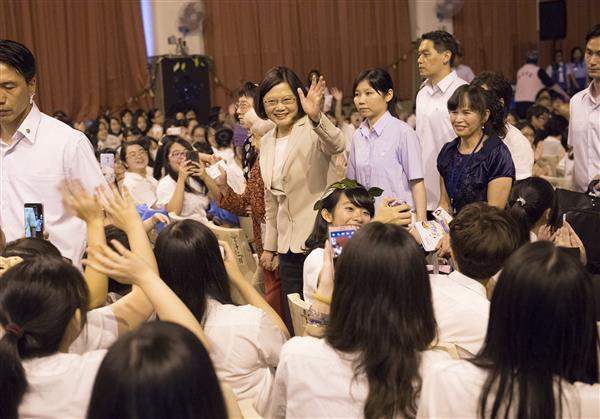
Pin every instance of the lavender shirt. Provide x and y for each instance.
(387, 156)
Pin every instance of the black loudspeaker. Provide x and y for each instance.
(553, 20)
(181, 83)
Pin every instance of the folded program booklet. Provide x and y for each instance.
(431, 233)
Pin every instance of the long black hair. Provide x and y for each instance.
(380, 80)
(541, 327)
(190, 262)
(160, 370)
(382, 309)
(528, 201)
(38, 299)
(359, 197)
(480, 100)
(162, 162)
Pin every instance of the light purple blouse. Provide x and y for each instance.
(387, 156)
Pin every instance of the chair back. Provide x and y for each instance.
(298, 311)
(237, 240)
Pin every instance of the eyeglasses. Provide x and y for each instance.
(178, 154)
(286, 101)
(134, 154)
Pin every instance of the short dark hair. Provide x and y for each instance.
(537, 111)
(224, 137)
(31, 247)
(593, 33)
(19, 57)
(541, 328)
(190, 262)
(443, 41)
(275, 76)
(142, 142)
(479, 101)
(159, 370)
(248, 89)
(380, 80)
(497, 83)
(114, 233)
(482, 237)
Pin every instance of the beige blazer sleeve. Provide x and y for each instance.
(331, 138)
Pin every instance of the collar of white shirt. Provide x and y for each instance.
(29, 126)
(443, 85)
(469, 283)
(366, 130)
(587, 95)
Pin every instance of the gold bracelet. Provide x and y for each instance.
(321, 298)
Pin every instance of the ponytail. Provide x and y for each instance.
(517, 211)
(13, 382)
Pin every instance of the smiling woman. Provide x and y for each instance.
(294, 163)
(138, 179)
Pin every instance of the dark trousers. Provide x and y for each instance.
(290, 272)
(521, 109)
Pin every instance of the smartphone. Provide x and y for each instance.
(192, 156)
(107, 165)
(34, 220)
(174, 131)
(339, 237)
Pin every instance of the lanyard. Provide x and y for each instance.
(454, 179)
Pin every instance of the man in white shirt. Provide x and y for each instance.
(435, 59)
(481, 239)
(518, 145)
(37, 154)
(584, 126)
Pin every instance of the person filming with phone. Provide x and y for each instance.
(37, 154)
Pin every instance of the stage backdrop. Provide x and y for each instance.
(91, 55)
(339, 37)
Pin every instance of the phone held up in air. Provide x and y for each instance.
(339, 237)
(34, 220)
(192, 156)
(107, 165)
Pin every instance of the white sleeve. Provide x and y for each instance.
(81, 164)
(277, 401)
(99, 332)
(310, 274)
(164, 192)
(270, 340)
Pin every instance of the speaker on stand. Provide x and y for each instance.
(180, 83)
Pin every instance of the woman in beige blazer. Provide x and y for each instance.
(295, 160)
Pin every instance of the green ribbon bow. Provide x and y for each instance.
(344, 185)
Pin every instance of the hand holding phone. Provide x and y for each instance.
(339, 237)
(107, 165)
(34, 220)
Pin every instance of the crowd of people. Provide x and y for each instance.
(128, 305)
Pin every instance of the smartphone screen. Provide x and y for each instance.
(107, 165)
(34, 220)
(339, 237)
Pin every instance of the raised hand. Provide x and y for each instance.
(122, 264)
(337, 94)
(77, 200)
(121, 209)
(311, 103)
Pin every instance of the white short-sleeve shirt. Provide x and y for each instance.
(314, 380)
(43, 153)
(520, 151)
(461, 310)
(452, 390)
(244, 347)
(141, 188)
(194, 204)
(101, 330)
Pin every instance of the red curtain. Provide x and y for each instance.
(338, 37)
(91, 55)
(496, 34)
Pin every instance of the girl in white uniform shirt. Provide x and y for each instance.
(345, 203)
(244, 340)
(181, 190)
(378, 341)
(138, 178)
(539, 359)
